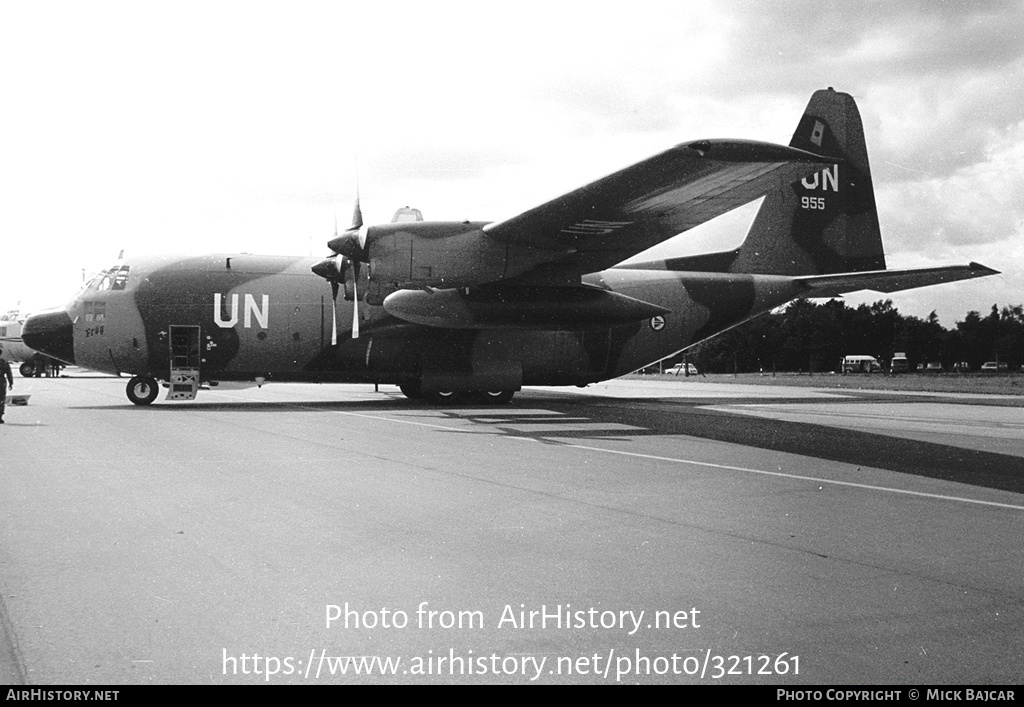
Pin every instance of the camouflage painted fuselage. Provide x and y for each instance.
(270, 318)
(451, 307)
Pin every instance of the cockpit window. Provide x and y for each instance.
(96, 283)
(116, 278)
(120, 278)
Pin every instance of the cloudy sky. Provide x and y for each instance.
(224, 126)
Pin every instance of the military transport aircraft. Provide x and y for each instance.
(446, 309)
(11, 323)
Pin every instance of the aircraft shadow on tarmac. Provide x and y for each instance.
(566, 418)
(693, 419)
(385, 404)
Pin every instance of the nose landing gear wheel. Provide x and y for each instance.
(142, 391)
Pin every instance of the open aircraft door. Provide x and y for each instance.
(184, 378)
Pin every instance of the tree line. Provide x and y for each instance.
(814, 337)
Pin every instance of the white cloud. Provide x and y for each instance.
(236, 126)
(979, 203)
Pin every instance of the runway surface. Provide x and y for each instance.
(769, 535)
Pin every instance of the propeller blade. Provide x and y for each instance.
(351, 246)
(355, 306)
(355, 299)
(357, 216)
(348, 246)
(334, 313)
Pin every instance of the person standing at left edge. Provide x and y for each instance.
(6, 378)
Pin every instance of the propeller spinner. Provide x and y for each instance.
(352, 243)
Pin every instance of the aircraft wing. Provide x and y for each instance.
(889, 280)
(607, 221)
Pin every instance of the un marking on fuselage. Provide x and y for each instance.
(261, 313)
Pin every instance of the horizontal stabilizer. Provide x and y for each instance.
(889, 280)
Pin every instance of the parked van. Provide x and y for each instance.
(861, 364)
(899, 363)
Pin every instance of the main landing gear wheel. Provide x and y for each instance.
(443, 397)
(413, 390)
(142, 391)
(27, 370)
(498, 397)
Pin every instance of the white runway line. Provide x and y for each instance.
(784, 475)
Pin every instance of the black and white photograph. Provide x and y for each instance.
(550, 343)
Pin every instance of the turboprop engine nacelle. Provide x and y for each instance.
(442, 254)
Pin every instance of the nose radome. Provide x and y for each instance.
(51, 333)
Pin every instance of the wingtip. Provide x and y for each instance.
(978, 266)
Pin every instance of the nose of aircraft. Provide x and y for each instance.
(50, 333)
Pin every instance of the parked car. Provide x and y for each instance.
(994, 366)
(961, 366)
(933, 367)
(899, 363)
(678, 370)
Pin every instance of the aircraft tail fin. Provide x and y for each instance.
(825, 223)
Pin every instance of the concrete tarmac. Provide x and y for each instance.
(635, 532)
